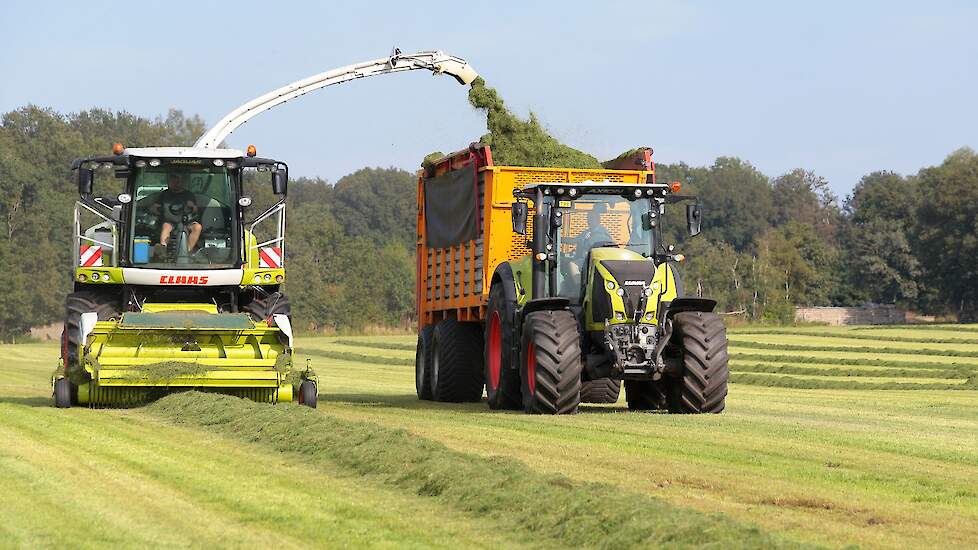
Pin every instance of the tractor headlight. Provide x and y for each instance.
(140, 164)
(218, 162)
(648, 316)
(621, 291)
(610, 285)
(619, 316)
(154, 162)
(648, 291)
(638, 193)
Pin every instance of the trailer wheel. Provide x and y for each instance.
(601, 390)
(702, 388)
(62, 393)
(456, 362)
(77, 303)
(308, 394)
(422, 363)
(502, 381)
(644, 395)
(551, 363)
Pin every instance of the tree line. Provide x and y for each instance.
(768, 244)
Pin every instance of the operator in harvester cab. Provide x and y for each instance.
(172, 205)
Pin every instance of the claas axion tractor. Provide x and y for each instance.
(550, 287)
(177, 283)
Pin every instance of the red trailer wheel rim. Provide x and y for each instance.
(495, 344)
(531, 368)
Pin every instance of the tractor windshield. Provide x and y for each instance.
(182, 216)
(597, 221)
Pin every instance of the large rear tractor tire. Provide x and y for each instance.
(601, 390)
(456, 362)
(502, 380)
(422, 363)
(262, 308)
(551, 363)
(702, 388)
(644, 395)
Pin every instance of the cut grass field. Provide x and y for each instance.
(856, 464)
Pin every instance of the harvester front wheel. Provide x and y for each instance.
(456, 362)
(702, 388)
(601, 390)
(422, 363)
(264, 307)
(77, 303)
(551, 363)
(308, 394)
(502, 381)
(62, 393)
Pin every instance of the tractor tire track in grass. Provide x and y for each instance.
(548, 510)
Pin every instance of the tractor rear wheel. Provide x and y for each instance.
(308, 394)
(702, 388)
(62, 393)
(601, 390)
(502, 381)
(644, 395)
(262, 308)
(456, 362)
(551, 363)
(422, 363)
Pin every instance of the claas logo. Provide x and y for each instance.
(183, 279)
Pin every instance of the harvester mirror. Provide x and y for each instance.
(694, 218)
(280, 181)
(85, 178)
(117, 213)
(520, 214)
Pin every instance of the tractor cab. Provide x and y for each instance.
(598, 246)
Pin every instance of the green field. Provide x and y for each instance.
(858, 436)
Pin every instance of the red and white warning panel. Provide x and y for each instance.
(270, 257)
(90, 255)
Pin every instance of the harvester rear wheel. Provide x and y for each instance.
(456, 362)
(644, 395)
(502, 381)
(551, 363)
(601, 390)
(703, 385)
(308, 394)
(62, 393)
(262, 308)
(77, 303)
(422, 363)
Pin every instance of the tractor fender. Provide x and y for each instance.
(679, 305)
(504, 276)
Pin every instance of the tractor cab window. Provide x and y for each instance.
(183, 217)
(593, 222)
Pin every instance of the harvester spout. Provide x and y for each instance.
(435, 61)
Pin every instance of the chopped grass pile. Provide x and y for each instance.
(550, 510)
(517, 142)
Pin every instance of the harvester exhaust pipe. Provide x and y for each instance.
(433, 60)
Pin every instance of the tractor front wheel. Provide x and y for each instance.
(601, 390)
(502, 380)
(702, 388)
(551, 363)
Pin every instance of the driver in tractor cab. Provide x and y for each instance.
(594, 234)
(173, 204)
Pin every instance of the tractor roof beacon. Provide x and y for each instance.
(177, 281)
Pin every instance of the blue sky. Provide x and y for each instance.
(842, 88)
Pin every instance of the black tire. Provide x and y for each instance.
(262, 308)
(63, 394)
(456, 362)
(77, 303)
(644, 395)
(702, 388)
(601, 390)
(422, 363)
(551, 363)
(502, 381)
(308, 394)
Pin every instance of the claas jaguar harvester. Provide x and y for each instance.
(177, 276)
(550, 287)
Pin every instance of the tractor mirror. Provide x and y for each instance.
(280, 181)
(694, 218)
(520, 214)
(85, 178)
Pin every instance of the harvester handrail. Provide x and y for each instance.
(279, 208)
(79, 237)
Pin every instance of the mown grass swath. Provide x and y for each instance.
(550, 509)
(851, 335)
(377, 345)
(739, 343)
(357, 357)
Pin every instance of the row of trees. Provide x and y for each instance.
(768, 243)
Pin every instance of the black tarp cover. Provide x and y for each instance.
(451, 214)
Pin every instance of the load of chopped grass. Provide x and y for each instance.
(518, 142)
(550, 510)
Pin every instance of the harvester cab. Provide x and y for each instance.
(177, 281)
